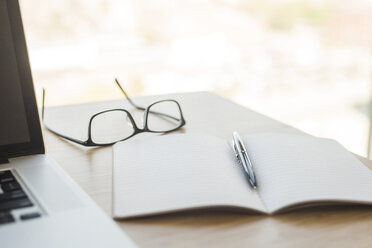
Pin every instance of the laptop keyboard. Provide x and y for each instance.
(13, 197)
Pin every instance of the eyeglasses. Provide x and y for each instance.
(114, 125)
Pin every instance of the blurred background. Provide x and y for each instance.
(307, 63)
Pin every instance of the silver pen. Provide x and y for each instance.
(243, 158)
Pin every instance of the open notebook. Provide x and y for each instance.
(188, 171)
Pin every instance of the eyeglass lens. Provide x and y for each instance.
(164, 116)
(111, 126)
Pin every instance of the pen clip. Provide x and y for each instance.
(235, 151)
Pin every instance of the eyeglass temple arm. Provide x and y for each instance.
(141, 108)
(127, 97)
(51, 130)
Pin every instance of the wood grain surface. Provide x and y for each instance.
(91, 168)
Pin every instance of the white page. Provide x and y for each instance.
(292, 169)
(175, 172)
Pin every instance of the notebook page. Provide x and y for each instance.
(176, 172)
(293, 169)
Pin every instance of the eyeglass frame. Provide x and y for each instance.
(136, 130)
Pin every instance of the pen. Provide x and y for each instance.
(243, 157)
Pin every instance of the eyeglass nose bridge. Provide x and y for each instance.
(130, 121)
(142, 123)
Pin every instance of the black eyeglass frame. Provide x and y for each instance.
(136, 130)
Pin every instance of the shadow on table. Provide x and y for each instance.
(313, 216)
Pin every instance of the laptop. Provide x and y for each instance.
(40, 205)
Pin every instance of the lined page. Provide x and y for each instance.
(293, 169)
(176, 172)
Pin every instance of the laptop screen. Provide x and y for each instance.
(13, 125)
(20, 132)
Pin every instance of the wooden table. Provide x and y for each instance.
(342, 226)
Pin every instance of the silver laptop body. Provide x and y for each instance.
(40, 205)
